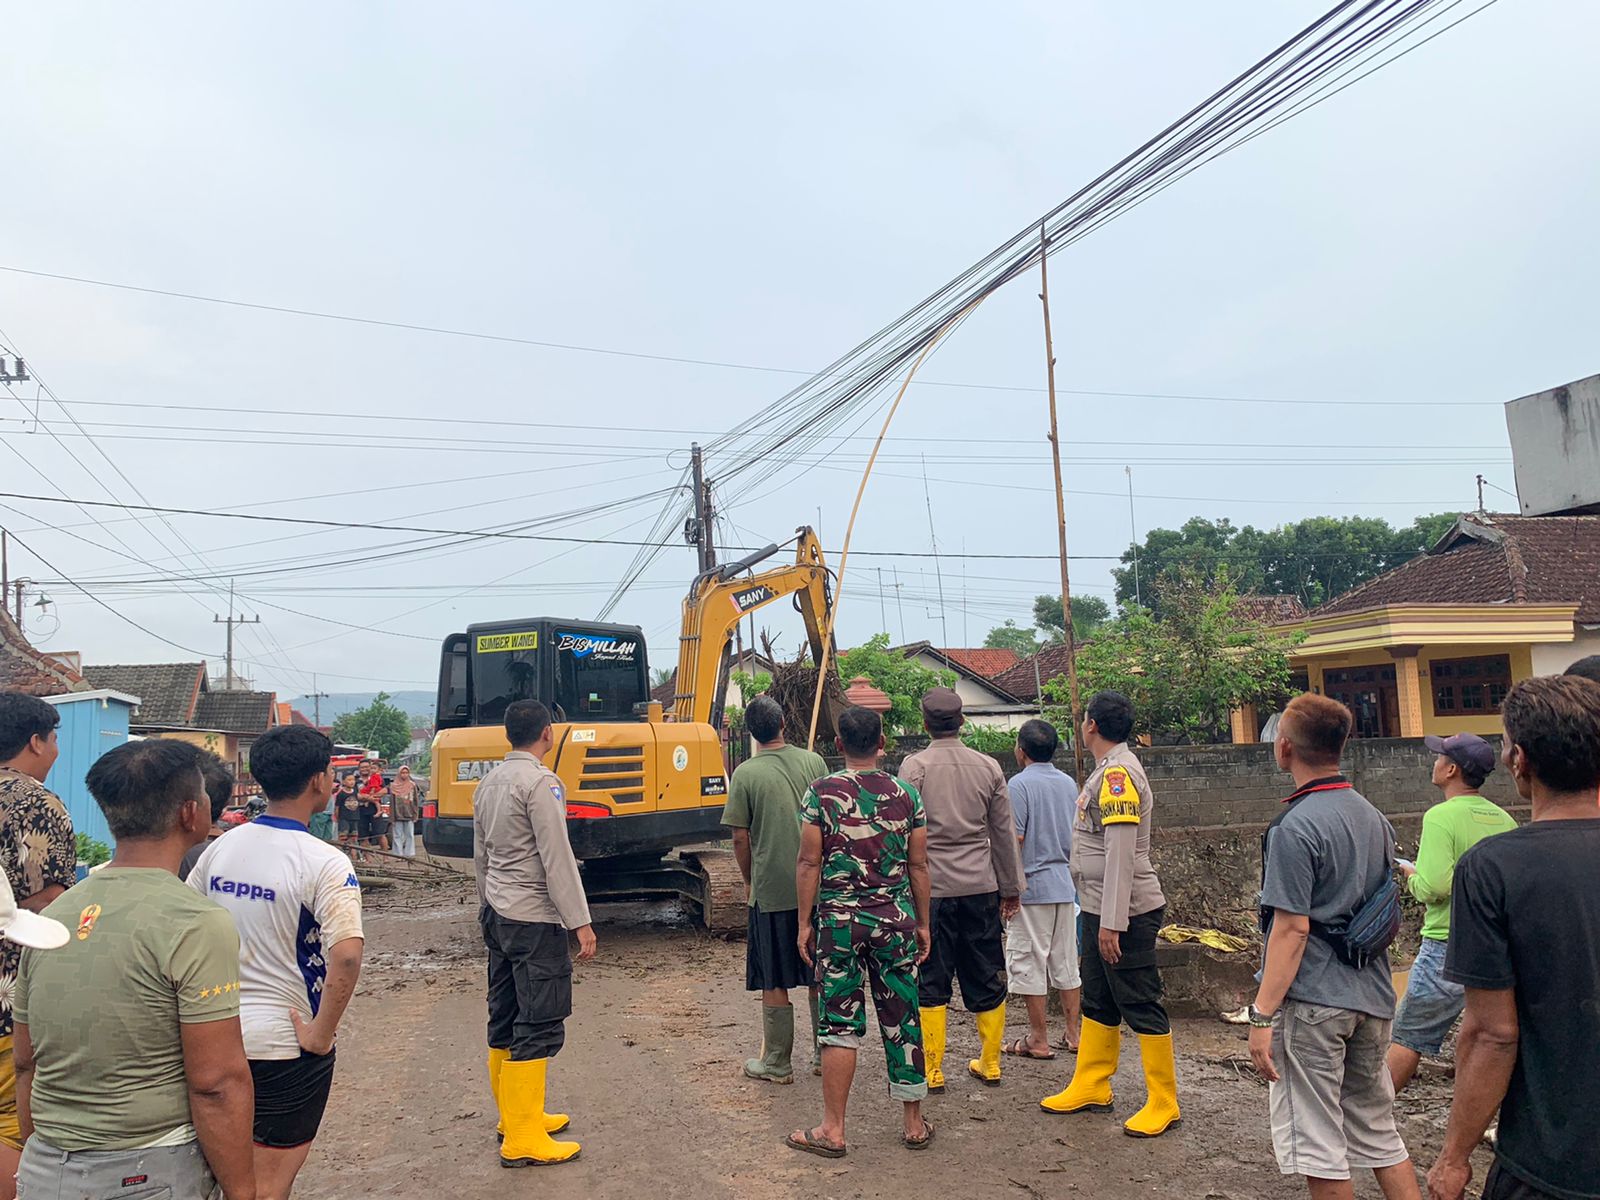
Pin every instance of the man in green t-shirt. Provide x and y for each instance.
(763, 811)
(1432, 1003)
(130, 1063)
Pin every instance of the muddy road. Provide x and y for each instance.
(651, 1077)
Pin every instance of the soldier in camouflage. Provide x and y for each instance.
(864, 921)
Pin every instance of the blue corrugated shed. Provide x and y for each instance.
(91, 724)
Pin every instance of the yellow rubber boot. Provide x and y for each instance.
(991, 1030)
(553, 1122)
(527, 1143)
(1160, 1111)
(497, 1060)
(1090, 1089)
(933, 1045)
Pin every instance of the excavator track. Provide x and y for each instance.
(723, 900)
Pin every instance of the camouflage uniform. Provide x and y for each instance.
(865, 918)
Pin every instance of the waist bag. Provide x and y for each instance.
(1367, 933)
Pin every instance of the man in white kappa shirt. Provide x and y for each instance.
(297, 906)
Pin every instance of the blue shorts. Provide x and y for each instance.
(1431, 1004)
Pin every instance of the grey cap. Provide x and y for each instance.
(1466, 750)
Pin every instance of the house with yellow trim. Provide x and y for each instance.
(1434, 645)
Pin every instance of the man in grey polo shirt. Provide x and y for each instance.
(1320, 1027)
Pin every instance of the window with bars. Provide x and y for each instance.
(1472, 687)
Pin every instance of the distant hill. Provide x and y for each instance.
(336, 704)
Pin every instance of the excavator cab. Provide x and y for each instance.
(637, 783)
(583, 671)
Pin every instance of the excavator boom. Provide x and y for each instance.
(719, 599)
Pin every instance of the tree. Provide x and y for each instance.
(1315, 559)
(1187, 669)
(1088, 614)
(901, 677)
(379, 726)
(1012, 637)
(660, 676)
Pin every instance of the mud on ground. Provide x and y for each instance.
(651, 1077)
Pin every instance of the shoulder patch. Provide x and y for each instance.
(1119, 798)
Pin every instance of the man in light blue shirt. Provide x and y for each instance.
(1042, 940)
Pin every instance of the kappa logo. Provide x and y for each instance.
(242, 889)
(350, 880)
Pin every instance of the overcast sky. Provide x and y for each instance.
(739, 184)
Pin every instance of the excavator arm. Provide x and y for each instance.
(719, 599)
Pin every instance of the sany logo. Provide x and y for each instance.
(583, 645)
(750, 597)
(473, 769)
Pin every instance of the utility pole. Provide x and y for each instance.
(1061, 510)
(1133, 530)
(231, 680)
(883, 602)
(698, 531)
(1480, 494)
(900, 604)
(938, 571)
(317, 697)
(5, 566)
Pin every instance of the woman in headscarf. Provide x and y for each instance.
(405, 806)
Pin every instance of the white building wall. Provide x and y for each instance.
(1554, 658)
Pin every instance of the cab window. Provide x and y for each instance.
(599, 676)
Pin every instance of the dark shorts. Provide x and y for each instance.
(771, 957)
(378, 827)
(1503, 1185)
(967, 945)
(291, 1094)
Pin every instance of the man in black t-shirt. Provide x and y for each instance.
(1525, 943)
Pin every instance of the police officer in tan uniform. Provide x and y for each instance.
(1122, 911)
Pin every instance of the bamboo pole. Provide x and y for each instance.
(1061, 514)
(850, 527)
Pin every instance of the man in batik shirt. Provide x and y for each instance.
(864, 920)
(39, 855)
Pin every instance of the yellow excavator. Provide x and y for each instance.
(640, 782)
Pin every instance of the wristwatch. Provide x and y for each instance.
(1259, 1019)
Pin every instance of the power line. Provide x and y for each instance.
(613, 352)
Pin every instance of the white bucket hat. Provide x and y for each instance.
(27, 928)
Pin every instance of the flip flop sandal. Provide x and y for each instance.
(1019, 1049)
(1061, 1044)
(924, 1141)
(811, 1145)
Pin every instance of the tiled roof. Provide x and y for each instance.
(1497, 558)
(956, 660)
(1020, 679)
(1277, 609)
(666, 691)
(982, 661)
(167, 692)
(24, 669)
(235, 712)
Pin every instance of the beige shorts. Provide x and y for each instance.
(1333, 1105)
(1042, 949)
